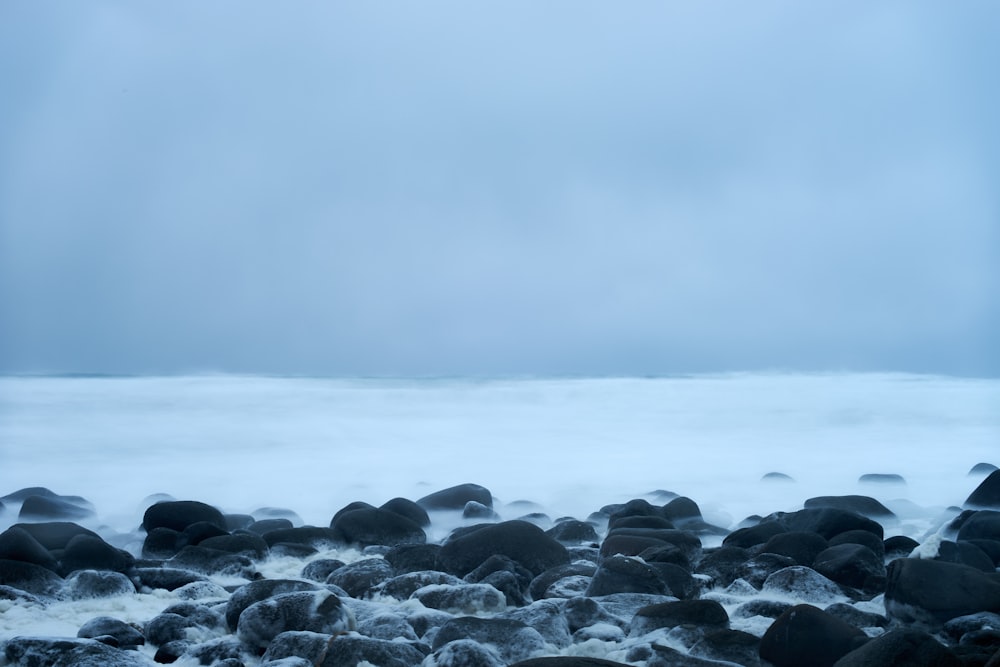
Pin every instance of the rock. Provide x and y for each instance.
(981, 525)
(387, 626)
(409, 509)
(513, 640)
(721, 564)
(856, 617)
(749, 536)
(54, 535)
(962, 625)
(802, 547)
(568, 661)
(903, 647)
(244, 544)
(540, 584)
(160, 543)
(30, 578)
(930, 593)
(862, 537)
(887, 479)
(309, 646)
(413, 557)
(757, 569)
(210, 561)
(217, 652)
(761, 607)
(622, 574)
(87, 584)
(167, 578)
(706, 615)
(55, 652)
(455, 497)
(378, 526)
(545, 616)
(987, 494)
(362, 577)
(265, 526)
(465, 653)
(312, 536)
(350, 650)
(899, 545)
(573, 532)
(321, 568)
(863, 505)
(462, 599)
(581, 612)
(124, 633)
(853, 565)
(802, 583)
(805, 635)
(179, 514)
(978, 469)
(312, 611)
(87, 552)
(520, 541)
(258, 591)
(198, 532)
(54, 508)
(776, 477)
(17, 544)
(21, 494)
(734, 646)
(474, 510)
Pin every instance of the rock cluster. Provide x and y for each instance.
(634, 583)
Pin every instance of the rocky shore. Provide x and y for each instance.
(648, 583)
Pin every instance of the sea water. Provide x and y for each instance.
(569, 445)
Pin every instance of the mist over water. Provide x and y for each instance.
(570, 445)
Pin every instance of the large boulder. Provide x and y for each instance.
(805, 635)
(522, 542)
(179, 514)
(369, 526)
(932, 592)
(987, 494)
(455, 497)
(903, 647)
(311, 611)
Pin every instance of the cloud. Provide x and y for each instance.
(525, 188)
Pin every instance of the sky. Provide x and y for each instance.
(499, 188)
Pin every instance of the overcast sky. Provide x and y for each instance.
(514, 187)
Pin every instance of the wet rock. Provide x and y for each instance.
(378, 526)
(125, 634)
(750, 536)
(55, 652)
(573, 532)
(987, 494)
(805, 635)
(856, 617)
(258, 591)
(761, 607)
(931, 593)
(703, 614)
(982, 525)
(863, 505)
(474, 510)
(547, 617)
(413, 557)
(17, 544)
(167, 578)
(463, 599)
(30, 578)
(265, 526)
(721, 565)
(55, 535)
(539, 586)
(802, 547)
(244, 544)
(210, 561)
(882, 479)
(513, 640)
(87, 584)
(899, 545)
(862, 537)
(827, 521)
(361, 577)
(387, 626)
(520, 541)
(734, 646)
(757, 569)
(320, 569)
(55, 508)
(312, 611)
(455, 497)
(802, 583)
(903, 647)
(87, 552)
(179, 514)
(853, 565)
(465, 653)
(621, 574)
(311, 536)
(582, 612)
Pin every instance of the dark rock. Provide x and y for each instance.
(349, 650)
(889, 479)
(387, 626)
(678, 579)
(761, 607)
(245, 544)
(930, 592)
(361, 577)
(265, 526)
(899, 545)
(512, 639)
(568, 661)
(722, 564)
(167, 627)
(903, 647)
(474, 510)
(54, 508)
(520, 541)
(462, 599)
(217, 652)
(685, 540)
(573, 532)
(55, 652)
(201, 590)
(545, 616)
(312, 611)
(981, 525)
(86, 584)
(211, 561)
(309, 646)
(179, 514)
(540, 584)
(257, 591)
(989, 547)
(862, 537)
(466, 653)
(267, 513)
(54, 535)
(966, 553)
(853, 565)
(978, 469)
(124, 633)
(455, 497)
(802, 583)
(167, 578)
(171, 651)
(313, 536)
(403, 586)
(197, 532)
(757, 569)
(805, 635)
(238, 521)
(30, 578)
(863, 505)
(654, 521)
(856, 617)
(987, 494)
(86, 552)
(703, 614)
(962, 625)
(319, 570)
(735, 646)
(378, 526)
(828, 521)
(21, 494)
(292, 550)
(160, 543)
(409, 509)
(754, 535)
(802, 547)
(776, 477)
(582, 612)
(622, 574)
(413, 557)
(17, 544)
